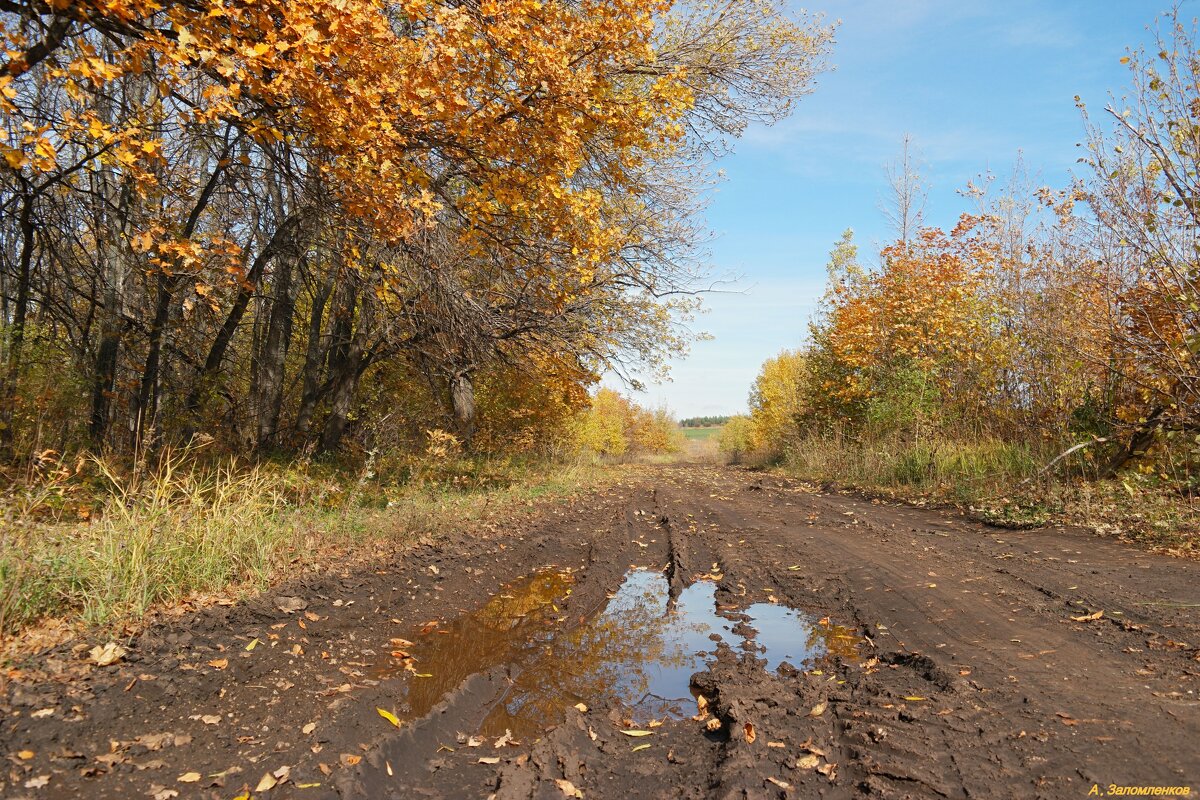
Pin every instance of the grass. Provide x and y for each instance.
(185, 531)
(700, 434)
(963, 470)
(1004, 483)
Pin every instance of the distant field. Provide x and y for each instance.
(700, 433)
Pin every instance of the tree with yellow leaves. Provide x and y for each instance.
(778, 401)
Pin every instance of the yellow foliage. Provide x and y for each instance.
(777, 401)
(615, 425)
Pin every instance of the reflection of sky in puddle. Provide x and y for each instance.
(638, 651)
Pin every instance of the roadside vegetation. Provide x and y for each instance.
(103, 542)
(1039, 361)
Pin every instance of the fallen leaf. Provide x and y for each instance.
(309, 728)
(915, 699)
(253, 644)
(103, 656)
(818, 709)
(307, 785)
(828, 770)
(25, 755)
(567, 788)
(389, 716)
(506, 739)
(210, 719)
(349, 760)
(581, 708)
(748, 729)
(807, 762)
(1088, 617)
(640, 747)
(219, 663)
(38, 782)
(713, 724)
(488, 760)
(266, 782)
(779, 783)
(189, 777)
(776, 744)
(41, 713)
(638, 733)
(290, 605)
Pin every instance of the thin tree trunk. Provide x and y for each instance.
(168, 283)
(314, 356)
(16, 336)
(237, 311)
(114, 273)
(345, 351)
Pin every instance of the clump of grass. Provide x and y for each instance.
(157, 539)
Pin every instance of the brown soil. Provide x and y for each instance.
(973, 672)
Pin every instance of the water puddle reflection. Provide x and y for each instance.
(639, 650)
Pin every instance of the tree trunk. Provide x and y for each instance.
(344, 356)
(314, 357)
(270, 373)
(220, 346)
(114, 274)
(1139, 442)
(462, 400)
(16, 336)
(147, 405)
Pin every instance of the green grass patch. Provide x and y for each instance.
(700, 434)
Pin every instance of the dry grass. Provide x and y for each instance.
(1006, 483)
(160, 537)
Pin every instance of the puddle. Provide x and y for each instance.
(637, 651)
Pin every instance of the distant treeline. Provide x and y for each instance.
(702, 422)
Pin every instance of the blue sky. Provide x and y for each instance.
(973, 81)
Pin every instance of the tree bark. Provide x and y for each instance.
(462, 400)
(314, 357)
(268, 378)
(16, 336)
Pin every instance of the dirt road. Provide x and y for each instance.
(854, 648)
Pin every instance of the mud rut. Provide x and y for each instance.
(973, 676)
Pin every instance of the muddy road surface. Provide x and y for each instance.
(688, 632)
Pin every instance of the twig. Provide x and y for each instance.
(1064, 454)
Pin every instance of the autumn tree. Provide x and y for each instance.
(1143, 193)
(778, 401)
